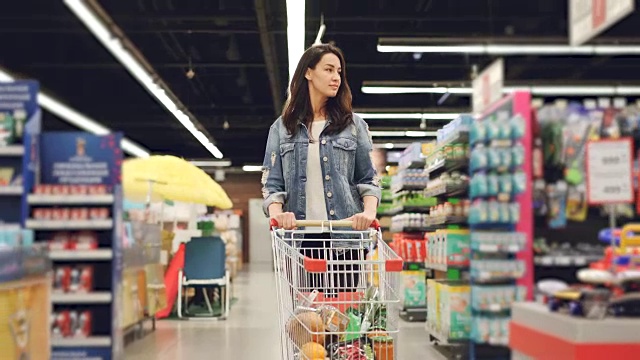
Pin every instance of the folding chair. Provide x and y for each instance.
(204, 268)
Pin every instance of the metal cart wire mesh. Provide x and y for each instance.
(337, 292)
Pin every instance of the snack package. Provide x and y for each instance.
(333, 319)
(359, 349)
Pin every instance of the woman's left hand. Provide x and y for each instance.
(362, 221)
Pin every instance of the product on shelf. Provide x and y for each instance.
(448, 247)
(71, 324)
(82, 240)
(414, 178)
(411, 247)
(497, 269)
(60, 214)
(448, 308)
(496, 298)
(73, 279)
(491, 330)
(57, 189)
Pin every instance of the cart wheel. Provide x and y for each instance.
(575, 308)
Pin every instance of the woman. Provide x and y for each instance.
(317, 163)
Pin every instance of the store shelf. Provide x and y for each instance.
(97, 254)
(565, 260)
(447, 165)
(444, 267)
(86, 298)
(105, 199)
(69, 224)
(12, 150)
(11, 190)
(93, 341)
(444, 190)
(406, 187)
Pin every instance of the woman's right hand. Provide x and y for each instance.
(285, 220)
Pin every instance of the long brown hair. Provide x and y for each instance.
(298, 106)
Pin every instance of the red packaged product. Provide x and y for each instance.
(43, 189)
(85, 281)
(59, 190)
(61, 326)
(60, 214)
(79, 214)
(78, 189)
(61, 279)
(83, 328)
(97, 189)
(86, 240)
(98, 213)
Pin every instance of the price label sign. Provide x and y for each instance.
(610, 171)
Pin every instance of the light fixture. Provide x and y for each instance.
(252, 168)
(409, 116)
(295, 33)
(540, 90)
(137, 70)
(79, 120)
(207, 163)
(403, 133)
(506, 49)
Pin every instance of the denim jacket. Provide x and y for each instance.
(348, 172)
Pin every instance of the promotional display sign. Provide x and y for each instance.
(487, 87)
(81, 158)
(610, 171)
(588, 18)
(20, 123)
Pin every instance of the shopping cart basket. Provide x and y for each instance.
(337, 292)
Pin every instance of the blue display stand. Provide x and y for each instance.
(82, 160)
(19, 101)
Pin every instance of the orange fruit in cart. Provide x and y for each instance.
(297, 328)
(313, 350)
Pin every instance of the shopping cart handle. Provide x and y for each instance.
(326, 223)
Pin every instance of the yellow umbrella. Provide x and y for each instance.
(168, 177)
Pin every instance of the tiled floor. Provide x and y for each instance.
(250, 333)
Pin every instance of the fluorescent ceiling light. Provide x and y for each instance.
(409, 116)
(252, 168)
(295, 33)
(504, 49)
(403, 133)
(541, 90)
(79, 120)
(222, 163)
(115, 46)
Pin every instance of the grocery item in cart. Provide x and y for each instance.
(297, 328)
(359, 349)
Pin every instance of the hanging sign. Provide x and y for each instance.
(588, 18)
(487, 87)
(610, 171)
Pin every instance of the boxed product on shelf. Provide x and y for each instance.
(411, 247)
(71, 324)
(410, 178)
(497, 269)
(448, 247)
(16, 237)
(491, 330)
(412, 154)
(496, 298)
(448, 308)
(461, 123)
(414, 294)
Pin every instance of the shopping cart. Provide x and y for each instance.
(337, 292)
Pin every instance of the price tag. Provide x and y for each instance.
(610, 171)
(495, 307)
(488, 248)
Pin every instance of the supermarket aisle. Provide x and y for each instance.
(250, 333)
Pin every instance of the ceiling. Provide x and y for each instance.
(237, 50)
